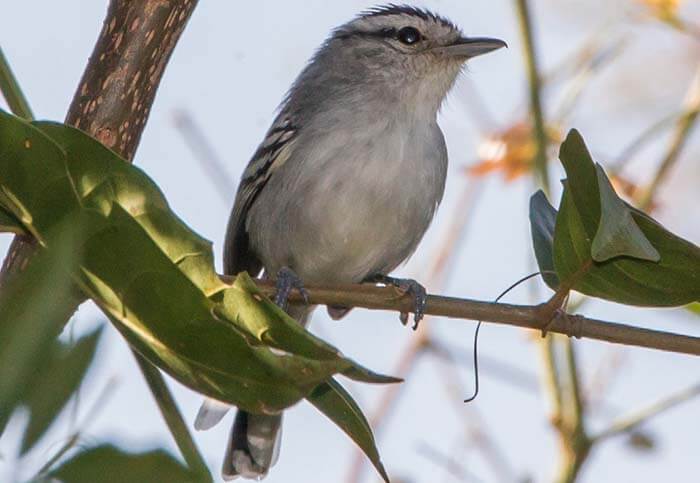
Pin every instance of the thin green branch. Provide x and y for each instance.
(11, 91)
(535, 87)
(551, 378)
(173, 418)
(574, 440)
(576, 403)
(560, 376)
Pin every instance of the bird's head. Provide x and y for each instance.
(412, 51)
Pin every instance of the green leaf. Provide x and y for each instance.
(27, 329)
(618, 234)
(101, 180)
(33, 177)
(272, 327)
(332, 400)
(10, 224)
(542, 221)
(155, 278)
(592, 220)
(107, 463)
(55, 383)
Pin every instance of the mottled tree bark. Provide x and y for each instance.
(117, 89)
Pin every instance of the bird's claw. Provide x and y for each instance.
(286, 281)
(408, 286)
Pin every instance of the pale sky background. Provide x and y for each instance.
(231, 69)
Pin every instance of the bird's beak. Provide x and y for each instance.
(466, 48)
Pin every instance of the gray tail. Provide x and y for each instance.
(253, 447)
(254, 444)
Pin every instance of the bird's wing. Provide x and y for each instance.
(270, 155)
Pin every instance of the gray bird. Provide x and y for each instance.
(347, 179)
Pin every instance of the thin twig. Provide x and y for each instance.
(577, 85)
(603, 378)
(684, 127)
(550, 378)
(202, 149)
(475, 433)
(573, 438)
(524, 316)
(582, 55)
(629, 423)
(535, 86)
(449, 463)
(641, 140)
(550, 369)
(562, 383)
(70, 443)
(11, 91)
(173, 418)
(75, 436)
(440, 272)
(512, 375)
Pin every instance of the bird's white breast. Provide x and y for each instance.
(355, 203)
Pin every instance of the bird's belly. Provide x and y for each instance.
(353, 228)
(365, 239)
(350, 218)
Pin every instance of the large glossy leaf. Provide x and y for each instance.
(55, 383)
(611, 250)
(332, 400)
(155, 278)
(102, 180)
(27, 330)
(109, 464)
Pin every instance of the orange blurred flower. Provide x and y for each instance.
(664, 10)
(511, 151)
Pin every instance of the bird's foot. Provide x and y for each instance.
(286, 281)
(407, 286)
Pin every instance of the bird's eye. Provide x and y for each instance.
(409, 35)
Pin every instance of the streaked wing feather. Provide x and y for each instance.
(270, 155)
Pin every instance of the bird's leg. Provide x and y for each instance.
(286, 281)
(409, 286)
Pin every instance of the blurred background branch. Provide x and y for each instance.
(535, 86)
(684, 126)
(560, 374)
